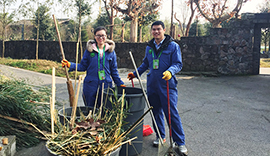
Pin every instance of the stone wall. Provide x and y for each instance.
(227, 51)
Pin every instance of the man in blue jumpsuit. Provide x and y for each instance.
(163, 59)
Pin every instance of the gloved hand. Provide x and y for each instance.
(130, 76)
(167, 75)
(65, 63)
(122, 85)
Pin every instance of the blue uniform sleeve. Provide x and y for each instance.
(114, 72)
(144, 66)
(82, 66)
(177, 64)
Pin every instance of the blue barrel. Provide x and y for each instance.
(134, 97)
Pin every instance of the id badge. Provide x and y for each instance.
(101, 75)
(155, 64)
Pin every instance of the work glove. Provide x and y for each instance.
(130, 76)
(65, 63)
(167, 75)
(122, 85)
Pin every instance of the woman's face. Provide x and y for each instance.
(100, 37)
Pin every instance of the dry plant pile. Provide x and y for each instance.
(98, 133)
(22, 109)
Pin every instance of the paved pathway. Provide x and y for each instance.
(222, 116)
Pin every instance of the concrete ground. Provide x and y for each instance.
(221, 116)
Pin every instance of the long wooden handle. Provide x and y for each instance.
(60, 43)
(145, 96)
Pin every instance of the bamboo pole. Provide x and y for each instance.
(76, 68)
(101, 105)
(24, 122)
(52, 100)
(74, 108)
(69, 83)
(145, 96)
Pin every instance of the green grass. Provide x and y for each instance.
(41, 66)
(265, 62)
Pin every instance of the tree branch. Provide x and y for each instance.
(180, 24)
(201, 11)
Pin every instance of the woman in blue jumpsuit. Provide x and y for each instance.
(99, 62)
(163, 61)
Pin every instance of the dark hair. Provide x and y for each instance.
(158, 23)
(100, 28)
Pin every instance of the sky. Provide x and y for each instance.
(165, 12)
(250, 6)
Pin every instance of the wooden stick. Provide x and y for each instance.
(25, 122)
(52, 100)
(60, 43)
(96, 102)
(69, 83)
(74, 108)
(101, 105)
(76, 68)
(118, 145)
(145, 96)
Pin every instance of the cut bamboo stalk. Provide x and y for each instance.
(121, 115)
(76, 68)
(96, 102)
(69, 82)
(74, 108)
(24, 122)
(101, 105)
(5, 141)
(114, 147)
(52, 100)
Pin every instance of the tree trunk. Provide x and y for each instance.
(140, 34)
(3, 52)
(80, 35)
(134, 30)
(112, 23)
(171, 30)
(37, 41)
(123, 33)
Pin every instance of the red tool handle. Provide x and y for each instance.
(169, 110)
(132, 83)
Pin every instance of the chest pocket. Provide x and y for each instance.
(165, 56)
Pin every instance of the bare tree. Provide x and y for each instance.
(111, 13)
(217, 11)
(187, 9)
(133, 8)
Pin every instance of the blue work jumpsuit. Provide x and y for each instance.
(89, 63)
(171, 60)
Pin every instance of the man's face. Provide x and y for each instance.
(158, 32)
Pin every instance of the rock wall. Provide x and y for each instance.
(228, 51)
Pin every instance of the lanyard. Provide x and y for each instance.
(158, 55)
(99, 57)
